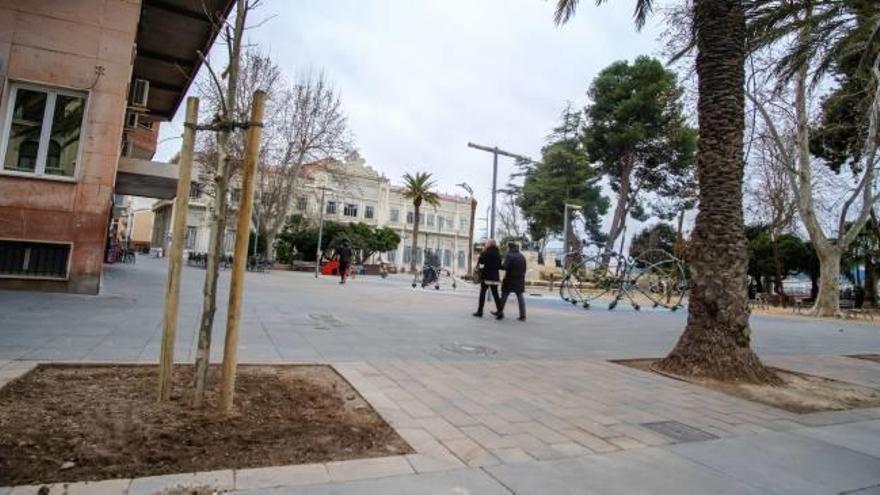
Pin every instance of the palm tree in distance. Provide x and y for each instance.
(716, 342)
(420, 189)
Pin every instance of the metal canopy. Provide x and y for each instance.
(170, 35)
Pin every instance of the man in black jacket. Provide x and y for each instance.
(514, 266)
(343, 254)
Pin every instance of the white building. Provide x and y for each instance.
(353, 192)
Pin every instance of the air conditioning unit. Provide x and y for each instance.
(140, 92)
(131, 120)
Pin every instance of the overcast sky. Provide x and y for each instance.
(419, 79)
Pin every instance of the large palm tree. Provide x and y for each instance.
(420, 189)
(716, 340)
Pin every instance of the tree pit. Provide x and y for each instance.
(799, 393)
(66, 423)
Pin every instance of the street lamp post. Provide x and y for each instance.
(473, 204)
(565, 225)
(495, 152)
(320, 234)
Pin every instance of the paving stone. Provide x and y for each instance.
(470, 453)
(439, 428)
(786, 462)
(862, 437)
(424, 463)
(106, 487)
(219, 480)
(304, 474)
(378, 467)
(570, 449)
(590, 441)
(625, 442)
(451, 482)
(512, 455)
(619, 473)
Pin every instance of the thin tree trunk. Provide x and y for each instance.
(679, 236)
(415, 244)
(470, 252)
(777, 267)
(716, 341)
(219, 211)
(620, 209)
(828, 299)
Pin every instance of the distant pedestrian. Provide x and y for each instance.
(488, 264)
(514, 267)
(343, 255)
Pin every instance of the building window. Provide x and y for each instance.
(350, 210)
(391, 256)
(331, 207)
(34, 259)
(235, 195)
(302, 203)
(368, 212)
(447, 257)
(462, 224)
(195, 190)
(410, 217)
(419, 252)
(430, 219)
(461, 260)
(407, 254)
(440, 222)
(191, 233)
(41, 131)
(421, 219)
(394, 216)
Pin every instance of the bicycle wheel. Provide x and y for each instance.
(661, 278)
(591, 279)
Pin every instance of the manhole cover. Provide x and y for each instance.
(325, 321)
(679, 432)
(477, 350)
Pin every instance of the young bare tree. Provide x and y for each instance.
(771, 198)
(309, 127)
(225, 103)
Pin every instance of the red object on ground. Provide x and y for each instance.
(330, 268)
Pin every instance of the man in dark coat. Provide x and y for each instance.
(514, 266)
(343, 254)
(489, 264)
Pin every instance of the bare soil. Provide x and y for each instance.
(800, 393)
(63, 423)
(867, 357)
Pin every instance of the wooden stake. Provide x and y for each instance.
(175, 258)
(239, 260)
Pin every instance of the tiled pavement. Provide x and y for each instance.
(540, 416)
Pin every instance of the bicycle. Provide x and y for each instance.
(654, 275)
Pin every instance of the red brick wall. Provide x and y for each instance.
(59, 44)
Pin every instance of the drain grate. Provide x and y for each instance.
(679, 432)
(476, 350)
(325, 321)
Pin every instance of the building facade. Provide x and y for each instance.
(83, 85)
(355, 192)
(352, 192)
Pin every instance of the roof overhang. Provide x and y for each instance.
(171, 33)
(146, 178)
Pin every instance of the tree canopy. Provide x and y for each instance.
(564, 175)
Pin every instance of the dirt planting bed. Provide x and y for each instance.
(800, 393)
(85, 423)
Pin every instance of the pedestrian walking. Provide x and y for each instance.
(514, 267)
(343, 255)
(488, 265)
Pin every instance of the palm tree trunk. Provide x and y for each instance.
(716, 340)
(415, 243)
